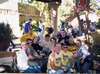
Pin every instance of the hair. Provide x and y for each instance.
(79, 40)
(29, 40)
(41, 21)
(58, 43)
(30, 19)
(47, 35)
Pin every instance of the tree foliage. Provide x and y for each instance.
(44, 11)
(5, 32)
(5, 36)
(65, 10)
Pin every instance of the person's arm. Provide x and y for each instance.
(51, 62)
(39, 47)
(42, 43)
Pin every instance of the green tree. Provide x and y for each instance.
(44, 11)
(65, 9)
(5, 36)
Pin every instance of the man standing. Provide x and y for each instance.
(28, 26)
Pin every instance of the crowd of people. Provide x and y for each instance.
(65, 52)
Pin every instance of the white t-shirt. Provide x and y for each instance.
(22, 60)
(45, 43)
(84, 50)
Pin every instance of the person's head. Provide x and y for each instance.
(78, 42)
(58, 45)
(30, 20)
(36, 40)
(57, 48)
(71, 41)
(29, 42)
(64, 47)
(41, 21)
(47, 37)
(24, 46)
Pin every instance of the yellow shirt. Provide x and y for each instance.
(66, 57)
(58, 60)
(54, 61)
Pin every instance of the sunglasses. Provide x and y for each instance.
(29, 43)
(65, 47)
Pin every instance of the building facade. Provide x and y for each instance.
(9, 14)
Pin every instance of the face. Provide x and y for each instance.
(58, 48)
(24, 46)
(78, 43)
(47, 38)
(29, 42)
(35, 40)
(30, 20)
(64, 48)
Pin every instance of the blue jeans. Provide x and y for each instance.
(85, 67)
(78, 66)
(69, 66)
(33, 69)
(88, 64)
